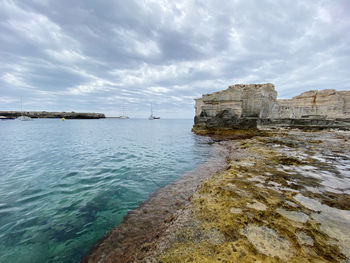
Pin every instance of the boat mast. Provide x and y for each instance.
(21, 107)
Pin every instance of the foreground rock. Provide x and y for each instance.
(45, 114)
(135, 238)
(247, 107)
(281, 197)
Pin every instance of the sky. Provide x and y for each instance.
(106, 55)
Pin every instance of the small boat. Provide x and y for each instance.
(22, 117)
(6, 118)
(123, 117)
(152, 117)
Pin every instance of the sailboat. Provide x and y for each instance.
(22, 117)
(152, 117)
(124, 117)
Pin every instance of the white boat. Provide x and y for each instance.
(124, 117)
(152, 117)
(22, 117)
(5, 118)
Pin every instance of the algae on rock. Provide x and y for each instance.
(251, 206)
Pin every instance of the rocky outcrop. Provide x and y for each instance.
(327, 103)
(237, 107)
(249, 106)
(254, 100)
(45, 114)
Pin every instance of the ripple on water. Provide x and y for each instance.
(64, 185)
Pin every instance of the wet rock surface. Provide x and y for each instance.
(281, 197)
(141, 228)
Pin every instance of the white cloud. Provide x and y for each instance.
(158, 90)
(14, 80)
(90, 87)
(135, 43)
(66, 55)
(7, 100)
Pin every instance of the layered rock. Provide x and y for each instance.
(45, 114)
(249, 106)
(328, 103)
(237, 107)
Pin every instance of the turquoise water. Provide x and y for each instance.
(63, 185)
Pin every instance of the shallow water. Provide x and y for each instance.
(63, 185)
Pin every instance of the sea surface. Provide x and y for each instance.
(63, 185)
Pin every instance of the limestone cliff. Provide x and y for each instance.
(249, 106)
(328, 103)
(254, 100)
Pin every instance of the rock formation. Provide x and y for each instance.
(327, 103)
(45, 114)
(249, 106)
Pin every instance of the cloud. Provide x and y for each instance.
(96, 56)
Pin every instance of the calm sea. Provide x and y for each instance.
(63, 185)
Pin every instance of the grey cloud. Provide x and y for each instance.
(96, 56)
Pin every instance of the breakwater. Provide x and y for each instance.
(46, 114)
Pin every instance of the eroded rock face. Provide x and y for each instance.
(326, 103)
(254, 100)
(248, 106)
(237, 107)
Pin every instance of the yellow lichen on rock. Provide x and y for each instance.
(248, 213)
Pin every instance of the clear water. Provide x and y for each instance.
(63, 185)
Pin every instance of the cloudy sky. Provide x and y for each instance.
(87, 55)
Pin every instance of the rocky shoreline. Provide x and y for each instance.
(277, 188)
(255, 106)
(280, 196)
(134, 239)
(45, 114)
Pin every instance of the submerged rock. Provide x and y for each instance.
(293, 215)
(304, 239)
(268, 242)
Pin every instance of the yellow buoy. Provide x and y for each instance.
(63, 119)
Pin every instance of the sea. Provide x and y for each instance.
(65, 184)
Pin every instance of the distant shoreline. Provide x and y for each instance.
(46, 114)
